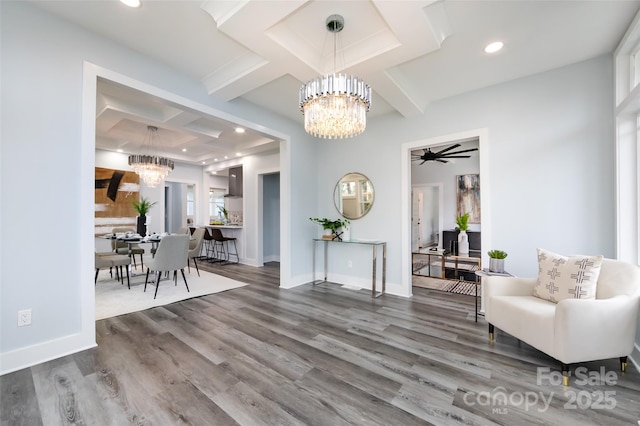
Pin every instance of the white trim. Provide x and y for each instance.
(405, 192)
(42, 352)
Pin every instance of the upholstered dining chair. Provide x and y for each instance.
(171, 255)
(195, 247)
(120, 247)
(103, 260)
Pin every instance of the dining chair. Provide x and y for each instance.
(195, 247)
(120, 247)
(171, 255)
(110, 261)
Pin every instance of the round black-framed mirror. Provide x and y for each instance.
(353, 195)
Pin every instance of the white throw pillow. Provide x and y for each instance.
(566, 277)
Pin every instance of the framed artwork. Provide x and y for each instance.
(114, 190)
(468, 197)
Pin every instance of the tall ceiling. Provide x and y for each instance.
(411, 52)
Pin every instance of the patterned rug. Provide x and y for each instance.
(451, 286)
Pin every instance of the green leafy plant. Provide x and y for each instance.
(463, 222)
(334, 225)
(143, 206)
(497, 254)
(224, 211)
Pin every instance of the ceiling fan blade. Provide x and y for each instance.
(460, 152)
(423, 161)
(448, 149)
(441, 161)
(457, 156)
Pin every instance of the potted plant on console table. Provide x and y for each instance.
(331, 227)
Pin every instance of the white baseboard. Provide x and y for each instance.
(31, 355)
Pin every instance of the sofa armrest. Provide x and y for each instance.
(508, 286)
(594, 329)
(504, 286)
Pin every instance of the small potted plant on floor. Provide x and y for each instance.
(142, 207)
(496, 261)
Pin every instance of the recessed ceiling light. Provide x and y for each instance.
(131, 3)
(184, 149)
(225, 157)
(204, 162)
(214, 173)
(239, 130)
(494, 47)
(238, 154)
(215, 159)
(119, 150)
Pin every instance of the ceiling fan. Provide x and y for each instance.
(441, 156)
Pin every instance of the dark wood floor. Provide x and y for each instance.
(315, 355)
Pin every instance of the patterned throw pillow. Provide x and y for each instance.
(566, 277)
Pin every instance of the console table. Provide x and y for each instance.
(374, 245)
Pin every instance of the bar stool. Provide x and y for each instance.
(223, 242)
(209, 247)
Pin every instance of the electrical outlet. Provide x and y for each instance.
(24, 317)
(349, 264)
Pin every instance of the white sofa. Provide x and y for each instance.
(572, 330)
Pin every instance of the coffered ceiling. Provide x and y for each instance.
(411, 52)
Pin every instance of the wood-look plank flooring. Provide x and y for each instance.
(313, 355)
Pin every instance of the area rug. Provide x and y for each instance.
(113, 298)
(451, 286)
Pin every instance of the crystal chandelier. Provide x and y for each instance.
(151, 168)
(335, 106)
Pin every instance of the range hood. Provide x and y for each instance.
(235, 182)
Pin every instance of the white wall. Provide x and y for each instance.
(550, 140)
(48, 69)
(551, 158)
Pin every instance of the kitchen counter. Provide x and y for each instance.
(225, 226)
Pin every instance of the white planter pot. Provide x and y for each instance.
(463, 243)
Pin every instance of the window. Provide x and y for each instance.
(216, 202)
(191, 202)
(627, 77)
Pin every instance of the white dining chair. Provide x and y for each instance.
(171, 255)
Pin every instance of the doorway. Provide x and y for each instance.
(426, 216)
(448, 195)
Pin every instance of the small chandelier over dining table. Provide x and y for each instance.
(335, 106)
(151, 168)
